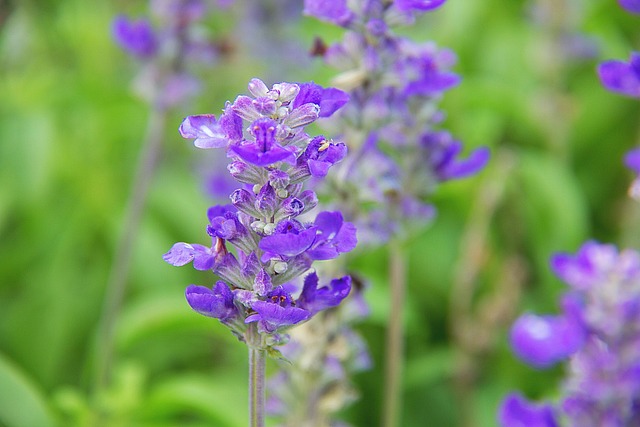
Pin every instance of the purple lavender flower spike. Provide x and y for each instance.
(289, 239)
(516, 411)
(212, 303)
(206, 131)
(183, 253)
(316, 299)
(542, 341)
(276, 311)
(631, 6)
(335, 11)
(622, 77)
(334, 236)
(136, 37)
(632, 160)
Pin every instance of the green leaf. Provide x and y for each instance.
(22, 403)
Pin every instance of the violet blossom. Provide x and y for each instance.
(273, 249)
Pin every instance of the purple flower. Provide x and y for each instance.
(588, 267)
(441, 151)
(212, 303)
(276, 311)
(334, 11)
(203, 257)
(206, 131)
(329, 100)
(516, 411)
(136, 37)
(632, 160)
(320, 155)
(632, 6)
(316, 299)
(333, 236)
(622, 77)
(265, 150)
(542, 341)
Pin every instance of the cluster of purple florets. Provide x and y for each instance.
(267, 222)
(395, 84)
(598, 333)
(164, 48)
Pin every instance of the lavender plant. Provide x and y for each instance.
(398, 155)
(267, 285)
(597, 334)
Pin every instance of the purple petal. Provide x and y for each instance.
(180, 254)
(432, 84)
(205, 129)
(542, 341)
(332, 100)
(315, 300)
(136, 37)
(516, 411)
(288, 244)
(620, 77)
(632, 6)
(463, 168)
(632, 160)
(335, 11)
(212, 303)
(278, 315)
(255, 155)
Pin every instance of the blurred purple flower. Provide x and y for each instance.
(334, 11)
(135, 36)
(632, 6)
(542, 341)
(622, 77)
(516, 411)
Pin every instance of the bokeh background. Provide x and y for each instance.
(71, 130)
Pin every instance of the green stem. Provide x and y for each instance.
(118, 275)
(395, 337)
(257, 363)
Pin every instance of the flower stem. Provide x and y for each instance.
(257, 363)
(117, 281)
(395, 337)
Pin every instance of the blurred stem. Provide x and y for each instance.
(117, 282)
(395, 336)
(471, 334)
(257, 364)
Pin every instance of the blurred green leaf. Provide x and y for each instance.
(21, 402)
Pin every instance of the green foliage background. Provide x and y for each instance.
(70, 134)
